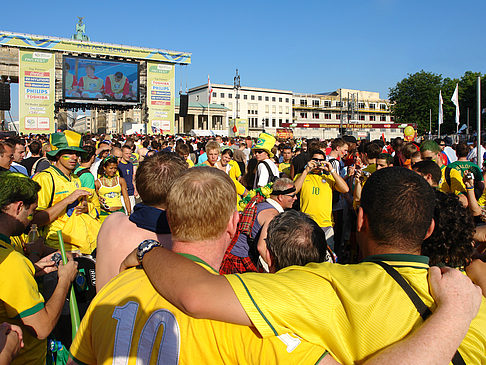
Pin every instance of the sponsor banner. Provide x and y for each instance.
(160, 97)
(346, 125)
(70, 45)
(237, 127)
(284, 133)
(36, 91)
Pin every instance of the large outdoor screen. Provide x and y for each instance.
(92, 80)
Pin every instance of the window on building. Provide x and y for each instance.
(361, 117)
(293, 101)
(274, 109)
(303, 102)
(221, 95)
(266, 98)
(237, 96)
(303, 114)
(372, 106)
(327, 115)
(286, 120)
(361, 105)
(287, 110)
(252, 97)
(267, 109)
(315, 102)
(372, 118)
(245, 97)
(392, 119)
(382, 118)
(267, 122)
(214, 95)
(327, 103)
(339, 104)
(338, 116)
(279, 100)
(259, 98)
(230, 96)
(279, 122)
(280, 109)
(382, 106)
(286, 100)
(315, 115)
(222, 104)
(273, 123)
(273, 98)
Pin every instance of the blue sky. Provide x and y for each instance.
(310, 46)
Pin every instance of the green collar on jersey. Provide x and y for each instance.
(5, 238)
(197, 259)
(398, 257)
(61, 173)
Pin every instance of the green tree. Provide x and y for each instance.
(414, 97)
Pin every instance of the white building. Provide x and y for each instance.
(267, 109)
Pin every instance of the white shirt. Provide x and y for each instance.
(262, 176)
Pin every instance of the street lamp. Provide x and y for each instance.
(237, 87)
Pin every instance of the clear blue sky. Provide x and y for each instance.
(307, 46)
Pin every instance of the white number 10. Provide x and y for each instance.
(170, 345)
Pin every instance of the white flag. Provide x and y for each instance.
(455, 101)
(441, 112)
(210, 91)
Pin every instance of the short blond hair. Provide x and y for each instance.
(200, 204)
(212, 146)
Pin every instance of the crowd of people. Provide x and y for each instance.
(246, 250)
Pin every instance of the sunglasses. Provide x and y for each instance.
(319, 159)
(291, 195)
(259, 151)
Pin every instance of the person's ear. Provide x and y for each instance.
(233, 224)
(430, 230)
(360, 219)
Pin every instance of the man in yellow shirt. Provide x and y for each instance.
(21, 303)
(353, 311)
(316, 184)
(62, 202)
(128, 321)
(430, 150)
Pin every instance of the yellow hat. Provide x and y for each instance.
(265, 142)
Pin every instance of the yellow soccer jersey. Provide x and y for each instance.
(189, 162)
(284, 167)
(79, 231)
(457, 185)
(316, 198)
(128, 319)
(351, 310)
(19, 298)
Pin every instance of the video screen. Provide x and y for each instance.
(100, 81)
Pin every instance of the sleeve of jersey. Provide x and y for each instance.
(81, 349)
(458, 186)
(20, 293)
(45, 193)
(292, 300)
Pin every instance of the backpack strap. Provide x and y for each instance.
(271, 176)
(53, 188)
(447, 175)
(422, 308)
(82, 172)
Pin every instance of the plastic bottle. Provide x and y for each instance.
(33, 234)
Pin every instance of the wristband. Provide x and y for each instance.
(471, 188)
(144, 247)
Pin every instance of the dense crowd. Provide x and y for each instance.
(317, 244)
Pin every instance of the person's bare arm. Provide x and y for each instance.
(300, 180)
(11, 342)
(49, 215)
(43, 322)
(124, 190)
(471, 197)
(458, 301)
(480, 234)
(476, 271)
(340, 185)
(190, 287)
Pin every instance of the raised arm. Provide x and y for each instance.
(190, 287)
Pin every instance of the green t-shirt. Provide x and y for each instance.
(87, 179)
(463, 166)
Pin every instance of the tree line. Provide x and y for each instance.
(416, 97)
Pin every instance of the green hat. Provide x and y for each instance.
(265, 142)
(65, 141)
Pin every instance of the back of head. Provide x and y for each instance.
(200, 203)
(372, 150)
(429, 145)
(89, 153)
(451, 241)
(429, 167)
(35, 147)
(15, 187)
(155, 175)
(399, 205)
(337, 142)
(462, 150)
(293, 238)
(282, 184)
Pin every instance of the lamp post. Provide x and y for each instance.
(237, 87)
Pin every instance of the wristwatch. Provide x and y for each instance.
(144, 247)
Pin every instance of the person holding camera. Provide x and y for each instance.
(316, 184)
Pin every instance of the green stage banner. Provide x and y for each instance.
(160, 97)
(36, 91)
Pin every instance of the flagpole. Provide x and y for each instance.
(209, 101)
(478, 145)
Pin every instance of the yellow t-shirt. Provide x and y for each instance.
(79, 231)
(457, 185)
(189, 162)
(284, 167)
(19, 298)
(351, 310)
(128, 318)
(235, 173)
(316, 198)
